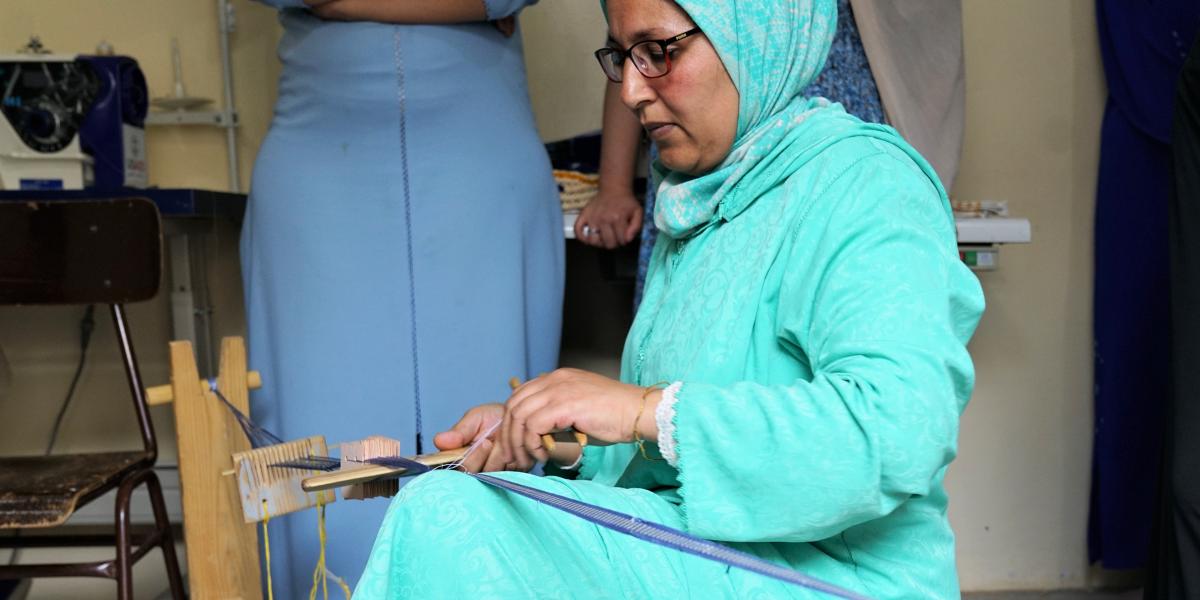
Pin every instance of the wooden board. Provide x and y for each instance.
(222, 550)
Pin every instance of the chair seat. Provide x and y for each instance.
(43, 491)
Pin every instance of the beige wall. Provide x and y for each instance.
(1019, 491)
(1035, 95)
(565, 82)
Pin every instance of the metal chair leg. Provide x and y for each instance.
(124, 563)
(163, 523)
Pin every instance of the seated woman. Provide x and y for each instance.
(806, 307)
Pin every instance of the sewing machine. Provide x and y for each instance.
(71, 122)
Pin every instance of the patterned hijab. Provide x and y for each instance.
(772, 50)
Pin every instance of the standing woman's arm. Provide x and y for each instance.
(416, 11)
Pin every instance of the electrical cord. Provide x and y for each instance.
(86, 326)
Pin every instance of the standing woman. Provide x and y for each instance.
(402, 251)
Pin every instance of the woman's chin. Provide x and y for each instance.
(686, 158)
(678, 160)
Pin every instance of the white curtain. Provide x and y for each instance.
(916, 53)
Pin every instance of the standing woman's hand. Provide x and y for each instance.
(602, 408)
(507, 25)
(610, 219)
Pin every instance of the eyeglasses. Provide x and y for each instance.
(652, 58)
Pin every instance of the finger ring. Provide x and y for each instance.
(587, 230)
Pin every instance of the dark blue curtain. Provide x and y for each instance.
(1143, 44)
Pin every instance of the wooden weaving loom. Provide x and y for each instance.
(228, 486)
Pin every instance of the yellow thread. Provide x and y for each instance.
(267, 547)
(321, 536)
(320, 572)
(341, 583)
(316, 574)
(637, 436)
(324, 566)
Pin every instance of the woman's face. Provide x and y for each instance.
(691, 112)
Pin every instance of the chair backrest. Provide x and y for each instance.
(84, 252)
(79, 252)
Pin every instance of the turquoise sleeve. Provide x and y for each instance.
(875, 300)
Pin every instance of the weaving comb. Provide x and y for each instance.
(266, 490)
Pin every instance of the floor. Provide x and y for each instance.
(1055, 595)
(151, 583)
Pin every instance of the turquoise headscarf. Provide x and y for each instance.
(772, 50)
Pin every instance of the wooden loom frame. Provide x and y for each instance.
(222, 548)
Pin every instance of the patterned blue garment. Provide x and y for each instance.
(847, 79)
(402, 251)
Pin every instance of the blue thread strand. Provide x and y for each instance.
(668, 537)
(412, 288)
(257, 435)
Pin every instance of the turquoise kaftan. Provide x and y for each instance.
(820, 338)
(809, 296)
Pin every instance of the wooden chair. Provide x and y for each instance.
(84, 252)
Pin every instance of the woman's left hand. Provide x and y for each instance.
(600, 407)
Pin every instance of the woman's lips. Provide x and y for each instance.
(658, 131)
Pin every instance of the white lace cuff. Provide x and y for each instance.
(573, 466)
(664, 416)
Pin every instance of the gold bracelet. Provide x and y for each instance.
(637, 436)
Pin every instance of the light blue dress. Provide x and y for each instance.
(402, 252)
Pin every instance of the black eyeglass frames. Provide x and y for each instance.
(652, 58)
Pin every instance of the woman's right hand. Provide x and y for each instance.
(475, 423)
(611, 219)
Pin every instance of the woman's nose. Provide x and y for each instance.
(635, 88)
